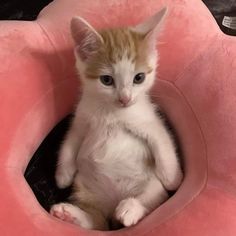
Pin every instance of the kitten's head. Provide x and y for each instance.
(117, 66)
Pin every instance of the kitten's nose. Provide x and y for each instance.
(124, 100)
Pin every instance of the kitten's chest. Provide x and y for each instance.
(112, 148)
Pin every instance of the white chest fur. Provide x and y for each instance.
(113, 153)
(113, 158)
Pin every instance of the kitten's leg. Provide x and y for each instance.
(153, 195)
(67, 156)
(168, 168)
(131, 210)
(163, 150)
(89, 219)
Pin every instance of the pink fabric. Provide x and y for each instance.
(196, 88)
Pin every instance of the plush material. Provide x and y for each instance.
(196, 88)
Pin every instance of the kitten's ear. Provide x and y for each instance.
(151, 28)
(87, 39)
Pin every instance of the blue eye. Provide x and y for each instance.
(107, 80)
(139, 78)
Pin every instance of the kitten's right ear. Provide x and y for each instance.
(153, 24)
(87, 39)
(152, 27)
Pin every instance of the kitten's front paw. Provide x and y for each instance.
(64, 176)
(130, 211)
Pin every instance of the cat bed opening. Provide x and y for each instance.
(196, 89)
(40, 172)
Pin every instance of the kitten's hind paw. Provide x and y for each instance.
(62, 211)
(130, 211)
(73, 214)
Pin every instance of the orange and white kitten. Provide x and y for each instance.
(118, 154)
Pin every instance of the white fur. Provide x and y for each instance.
(108, 146)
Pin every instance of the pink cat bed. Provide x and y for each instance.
(196, 88)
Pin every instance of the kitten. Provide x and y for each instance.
(118, 154)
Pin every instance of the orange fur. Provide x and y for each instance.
(117, 44)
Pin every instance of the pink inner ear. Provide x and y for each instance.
(81, 53)
(87, 45)
(151, 38)
(86, 39)
(85, 50)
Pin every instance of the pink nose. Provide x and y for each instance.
(124, 100)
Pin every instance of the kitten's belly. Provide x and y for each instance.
(115, 161)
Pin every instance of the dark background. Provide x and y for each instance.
(40, 171)
(21, 9)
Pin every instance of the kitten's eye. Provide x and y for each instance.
(139, 78)
(107, 80)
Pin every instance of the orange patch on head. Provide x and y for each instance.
(117, 44)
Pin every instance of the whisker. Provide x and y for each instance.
(156, 96)
(161, 43)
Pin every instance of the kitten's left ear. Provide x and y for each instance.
(151, 28)
(87, 39)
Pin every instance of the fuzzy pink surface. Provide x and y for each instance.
(196, 87)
